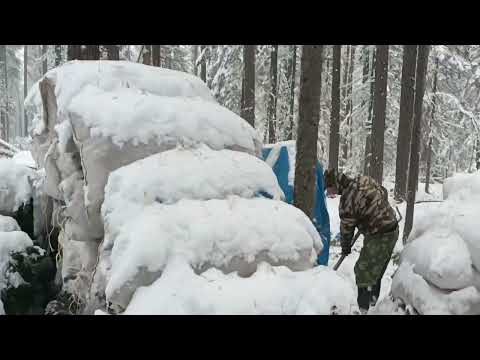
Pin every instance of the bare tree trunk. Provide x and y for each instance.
(272, 102)
(203, 65)
(350, 101)
(247, 110)
(147, 55)
(83, 52)
(368, 140)
(58, 54)
(113, 52)
(306, 157)
(4, 90)
(156, 55)
(44, 59)
(334, 142)
(345, 105)
(477, 156)
(430, 128)
(405, 123)
(379, 107)
(25, 88)
(74, 52)
(293, 68)
(421, 74)
(195, 57)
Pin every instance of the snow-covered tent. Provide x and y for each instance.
(281, 158)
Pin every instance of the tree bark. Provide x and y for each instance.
(345, 104)
(293, 68)
(368, 139)
(203, 65)
(195, 57)
(350, 101)
(306, 157)
(477, 155)
(58, 54)
(272, 102)
(421, 74)
(407, 96)
(430, 128)
(147, 55)
(334, 141)
(379, 107)
(83, 52)
(113, 52)
(25, 88)
(4, 91)
(247, 110)
(44, 59)
(156, 55)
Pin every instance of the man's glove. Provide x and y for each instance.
(346, 247)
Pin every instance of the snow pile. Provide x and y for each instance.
(442, 256)
(8, 223)
(15, 185)
(10, 241)
(93, 117)
(25, 158)
(271, 290)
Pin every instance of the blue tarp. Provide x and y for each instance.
(281, 168)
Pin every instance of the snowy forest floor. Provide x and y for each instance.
(346, 268)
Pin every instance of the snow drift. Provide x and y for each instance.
(440, 265)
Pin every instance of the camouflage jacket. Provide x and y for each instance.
(364, 204)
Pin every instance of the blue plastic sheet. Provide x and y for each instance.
(321, 220)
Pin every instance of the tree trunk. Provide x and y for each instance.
(407, 96)
(58, 54)
(74, 52)
(293, 68)
(203, 65)
(44, 59)
(350, 100)
(379, 107)
(4, 91)
(156, 55)
(421, 74)
(25, 88)
(195, 57)
(306, 157)
(368, 139)
(345, 105)
(147, 55)
(83, 52)
(334, 141)
(477, 156)
(430, 128)
(247, 110)
(113, 52)
(272, 101)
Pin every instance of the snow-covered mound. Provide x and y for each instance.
(10, 241)
(271, 290)
(15, 185)
(25, 158)
(232, 235)
(8, 223)
(443, 251)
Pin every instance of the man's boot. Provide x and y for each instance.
(364, 299)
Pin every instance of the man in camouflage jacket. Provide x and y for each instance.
(364, 205)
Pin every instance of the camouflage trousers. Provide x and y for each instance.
(374, 257)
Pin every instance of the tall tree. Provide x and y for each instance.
(156, 50)
(4, 91)
(350, 101)
(293, 67)
(379, 107)
(113, 52)
(247, 110)
(405, 123)
(195, 57)
(25, 88)
(272, 99)
(83, 52)
(307, 134)
(430, 127)
(421, 74)
(44, 59)
(368, 140)
(203, 64)
(147, 55)
(58, 54)
(477, 155)
(334, 142)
